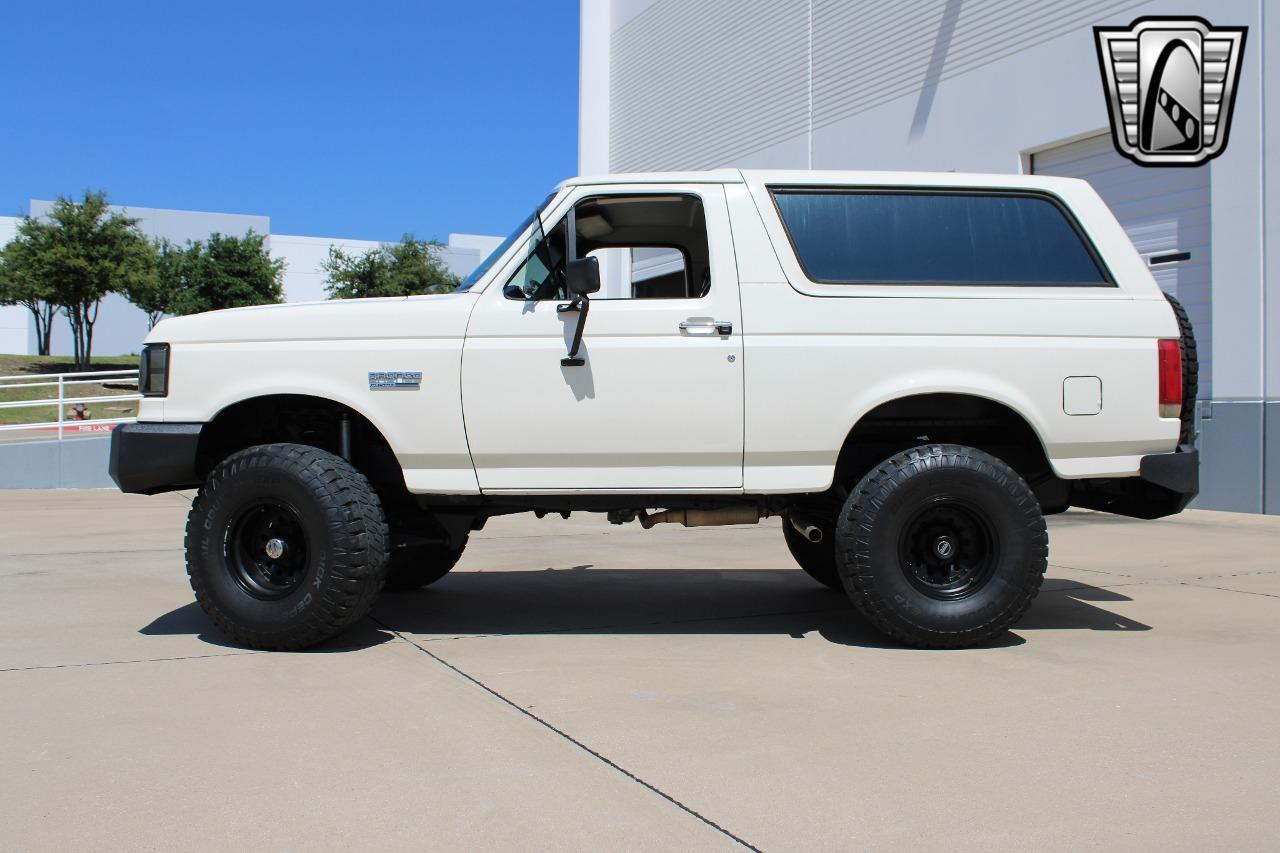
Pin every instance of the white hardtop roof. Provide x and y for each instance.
(716, 176)
(815, 177)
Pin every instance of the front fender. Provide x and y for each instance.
(422, 425)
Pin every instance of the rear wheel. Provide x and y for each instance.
(415, 566)
(818, 559)
(942, 546)
(286, 546)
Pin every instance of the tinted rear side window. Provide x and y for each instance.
(936, 237)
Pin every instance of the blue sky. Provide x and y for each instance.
(351, 119)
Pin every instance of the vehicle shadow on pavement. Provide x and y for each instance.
(587, 600)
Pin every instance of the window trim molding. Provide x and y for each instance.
(774, 190)
(531, 252)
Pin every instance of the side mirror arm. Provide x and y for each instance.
(582, 305)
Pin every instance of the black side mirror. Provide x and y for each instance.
(582, 276)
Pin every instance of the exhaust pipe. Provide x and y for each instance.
(806, 528)
(705, 517)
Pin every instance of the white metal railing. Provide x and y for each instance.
(61, 381)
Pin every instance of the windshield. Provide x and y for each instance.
(478, 272)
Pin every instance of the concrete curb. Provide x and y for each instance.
(79, 463)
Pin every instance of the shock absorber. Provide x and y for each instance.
(344, 436)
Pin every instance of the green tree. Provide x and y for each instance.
(407, 268)
(22, 284)
(223, 272)
(356, 276)
(78, 254)
(155, 294)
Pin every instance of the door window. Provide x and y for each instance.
(650, 246)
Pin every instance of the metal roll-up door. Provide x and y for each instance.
(1166, 214)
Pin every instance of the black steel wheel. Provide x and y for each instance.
(286, 546)
(948, 549)
(942, 546)
(266, 550)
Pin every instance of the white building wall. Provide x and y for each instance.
(302, 256)
(595, 40)
(13, 318)
(13, 330)
(464, 252)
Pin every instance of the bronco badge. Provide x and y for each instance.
(1170, 84)
(395, 379)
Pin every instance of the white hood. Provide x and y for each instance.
(436, 316)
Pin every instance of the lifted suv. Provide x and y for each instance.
(912, 370)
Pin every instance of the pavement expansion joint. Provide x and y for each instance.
(1229, 589)
(1100, 586)
(94, 551)
(1053, 565)
(569, 738)
(1254, 573)
(115, 662)
(1148, 581)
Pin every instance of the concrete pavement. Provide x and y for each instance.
(573, 685)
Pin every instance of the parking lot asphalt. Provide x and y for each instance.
(573, 685)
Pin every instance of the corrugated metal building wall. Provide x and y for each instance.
(694, 84)
(699, 85)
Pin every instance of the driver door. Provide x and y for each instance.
(657, 405)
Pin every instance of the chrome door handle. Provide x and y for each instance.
(706, 327)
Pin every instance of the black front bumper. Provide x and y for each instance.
(1165, 484)
(147, 458)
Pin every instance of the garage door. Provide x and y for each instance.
(1166, 213)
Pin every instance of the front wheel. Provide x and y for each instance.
(942, 546)
(286, 546)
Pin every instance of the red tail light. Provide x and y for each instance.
(1170, 379)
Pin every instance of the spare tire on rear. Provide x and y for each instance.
(1190, 371)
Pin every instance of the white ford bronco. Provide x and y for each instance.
(911, 370)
